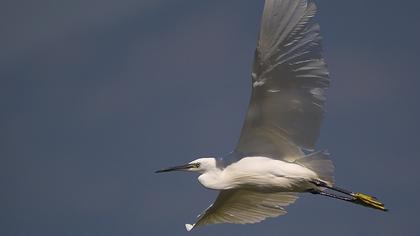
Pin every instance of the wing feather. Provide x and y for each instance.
(243, 206)
(289, 79)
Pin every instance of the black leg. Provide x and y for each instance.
(358, 198)
(322, 193)
(335, 188)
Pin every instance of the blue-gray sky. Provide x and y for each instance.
(96, 95)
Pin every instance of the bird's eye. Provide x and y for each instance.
(197, 165)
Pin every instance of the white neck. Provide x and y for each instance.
(213, 179)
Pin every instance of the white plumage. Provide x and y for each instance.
(268, 167)
(255, 188)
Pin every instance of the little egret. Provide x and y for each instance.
(274, 159)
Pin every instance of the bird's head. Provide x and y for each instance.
(200, 165)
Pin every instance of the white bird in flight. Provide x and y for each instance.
(274, 159)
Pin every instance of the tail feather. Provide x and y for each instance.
(320, 163)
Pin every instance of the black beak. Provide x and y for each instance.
(183, 167)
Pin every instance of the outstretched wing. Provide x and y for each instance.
(289, 79)
(242, 206)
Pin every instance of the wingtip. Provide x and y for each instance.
(189, 227)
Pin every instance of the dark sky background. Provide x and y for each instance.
(96, 95)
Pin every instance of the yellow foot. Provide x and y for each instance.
(368, 201)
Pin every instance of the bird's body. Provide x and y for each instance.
(260, 174)
(275, 158)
